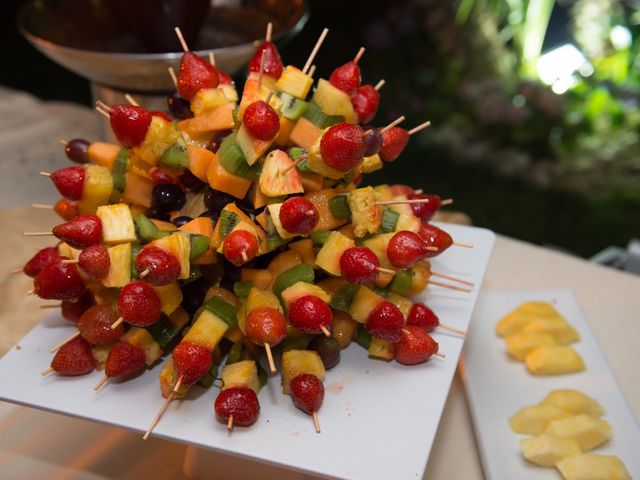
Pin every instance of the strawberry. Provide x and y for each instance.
(425, 211)
(405, 249)
(342, 146)
(72, 311)
(81, 231)
(307, 392)
(123, 359)
(160, 176)
(385, 322)
(359, 265)
(163, 267)
(192, 361)
(309, 314)
(74, 358)
(272, 63)
(139, 304)
(66, 208)
(95, 325)
(195, 74)
(129, 124)
(241, 403)
(298, 215)
(59, 281)
(365, 100)
(95, 261)
(393, 142)
(224, 78)
(422, 316)
(415, 346)
(69, 181)
(239, 247)
(435, 237)
(266, 325)
(346, 77)
(261, 120)
(40, 260)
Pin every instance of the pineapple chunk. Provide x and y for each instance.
(403, 303)
(408, 222)
(587, 466)
(100, 354)
(274, 213)
(517, 319)
(256, 299)
(294, 82)
(381, 349)
(383, 192)
(333, 101)
(97, 188)
(178, 245)
(364, 301)
(211, 98)
(556, 326)
(303, 289)
(574, 402)
(365, 214)
(317, 165)
(251, 147)
(554, 360)
(207, 330)
(120, 266)
(170, 297)
(540, 309)
(241, 374)
(535, 419)
(141, 338)
(168, 379)
(273, 182)
(66, 250)
(160, 136)
(371, 164)
(297, 362)
(547, 450)
(420, 274)
(520, 344)
(328, 257)
(117, 223)
(588, 432)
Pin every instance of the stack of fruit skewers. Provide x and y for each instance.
(237, 234)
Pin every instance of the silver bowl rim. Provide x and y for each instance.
(49, 45)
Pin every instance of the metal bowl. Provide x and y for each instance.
(41, 23)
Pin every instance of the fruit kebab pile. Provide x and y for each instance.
(233, 238)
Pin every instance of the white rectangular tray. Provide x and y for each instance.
(378, 419)
(498, 386)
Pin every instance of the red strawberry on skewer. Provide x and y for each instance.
(59, 281)
(415, 346)
(395, 139)
(40, 260)
(123, 359)
(191, 361)
(72, 311)
(347, 77)
(69, 181)
(95, 262)
(310, 314)
(159, 267)
(385, 322)
(239, 247)
(298, 215)
(66, 208)
(261, 120)
(266, 326)
(423, 317)
(272, 63)
(342, 146)
(139, 304)
(81, 231)
(435, 237)
(425, 210)
(405, 249)
(365, 101)
(359, 265)
(72, 359)
(195, 73)
(95, 325)
(307, 393)
(237, 406)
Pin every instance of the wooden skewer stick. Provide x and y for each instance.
(268, 99)
(422, 126)
(453, 329)
(446, 201)
(144, 273)
(463, 244)
(70, 261)
(453, 279)
(16, 270)
(294, 164)
(31, 292)
(163, 409)
(312, 70)
(45, 174)
(174, 79)
(386, 270)
(42, 206)
(37, 234)
(402, 202)
(267, 37)
(47, 372)
(380, 84)
(272, 365)
(325, 330)
(104, 106)
(397, 121)
(212, 59)
(63, 142)
(103, 113)
(441, 355)
(230, 419)
(64, 342)
(245, 258)
(117, 323)
(55, 305)
(358, 56)
(261, 72)
(102, 381)
(181, 38)
(131, 100)
(452, 287)
(313, 53)
(316, 423)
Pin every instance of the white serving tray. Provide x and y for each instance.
(498, 386)
(378, 419)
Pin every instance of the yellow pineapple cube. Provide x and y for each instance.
(66, 250)
(534, 419)
(371, 164)
(302, 289)
(554, 360)
(574, 402)
(297, 362)
(120, 266)
(587, 466)
(556, 326)
(588, 432)
(117, 223)
(365, 214)
(403, 303)
(408, 222)
(100, 354)
(364, 301)
(519, 345)
(547, 450)
(519, 318)
(142, 339)
(294, 82)
(383, 192)
(328, 257)
(178, 245)
(211, 98)
(241, 374)
(317, 165)
(381, 350)
(160, 136)
(97, 189)
(333, 101)
(207, 330)
(170, 297)
(168, 379)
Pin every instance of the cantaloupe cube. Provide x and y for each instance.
(587, 466)
(534, 419)
(574, 402)
(547, 450)
(588, 432)
(554, 360)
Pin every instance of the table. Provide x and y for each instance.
(36, 444)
